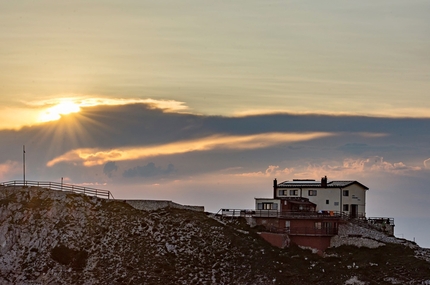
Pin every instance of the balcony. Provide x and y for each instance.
(286, 215)
(306, 231)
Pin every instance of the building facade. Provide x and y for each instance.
(309, 212)
(347, 197)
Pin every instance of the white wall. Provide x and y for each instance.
(357, 195)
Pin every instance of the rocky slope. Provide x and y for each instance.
(53, 237)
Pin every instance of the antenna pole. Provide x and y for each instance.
(23, 163)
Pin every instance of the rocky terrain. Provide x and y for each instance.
(54, 237)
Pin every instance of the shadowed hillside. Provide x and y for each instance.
(53, 237)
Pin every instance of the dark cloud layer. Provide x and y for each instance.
(110, 127)
(363, 148)
(149, 170)
(109, 168)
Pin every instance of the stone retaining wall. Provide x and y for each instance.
(351, 234)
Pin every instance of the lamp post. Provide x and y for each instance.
(23, 163)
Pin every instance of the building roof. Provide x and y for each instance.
(317, 184)
(270, 198)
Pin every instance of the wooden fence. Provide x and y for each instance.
(105, 194)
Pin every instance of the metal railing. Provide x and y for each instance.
(382, 224)
(306, 231)
(277, 214)
(302, 214)
(105, 194)
(380, 220)
(235, 213)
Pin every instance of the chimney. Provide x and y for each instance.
(324, 182)
(275, 188)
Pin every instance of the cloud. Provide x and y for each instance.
(377, 163)
(83, 101)
(29, 113)
(92, 157)
(360, 148)
(355, 148)
(271, 171)
(149, 170)
(427, 163)
(109, 168)
(339, 170)
(135, 132)
(353, 167)
(8, 169)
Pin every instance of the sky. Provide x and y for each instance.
(206, 102)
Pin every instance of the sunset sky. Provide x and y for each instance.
(206, 102)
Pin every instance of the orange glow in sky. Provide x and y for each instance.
(55, 112)
(92, 157)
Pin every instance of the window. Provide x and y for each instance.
(267, 206)
(318, 225)
(345, 192)
(294, 192)
(346, 207)
(327, 225)
(312, 192)
(327, 202)
(283, 193)
(336, 203)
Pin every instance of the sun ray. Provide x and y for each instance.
(54, 109)
(79, 123)
(64, 107)
(69, 132)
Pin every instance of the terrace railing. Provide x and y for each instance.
(380, 220)
(306, 231)
(278, 214)
(105, 194)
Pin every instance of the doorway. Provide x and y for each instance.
(354, 211)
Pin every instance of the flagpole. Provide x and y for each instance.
(23, 163)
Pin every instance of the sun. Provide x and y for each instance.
(63, 108)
